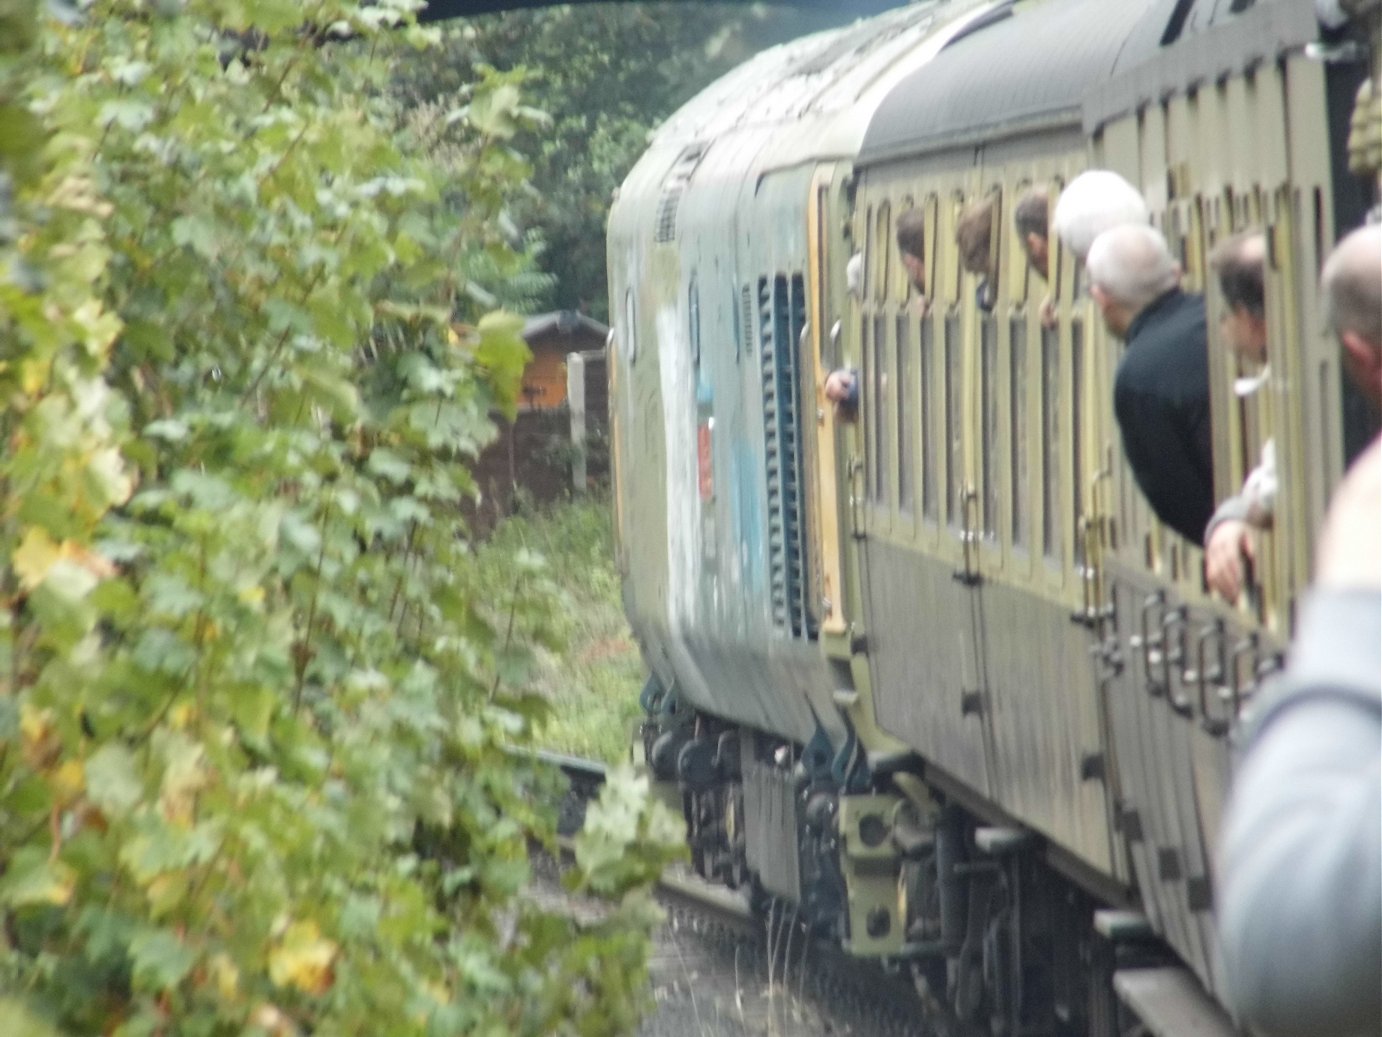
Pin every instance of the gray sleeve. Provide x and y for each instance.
(1242, 505)
(1300, 863)
(1235, 507)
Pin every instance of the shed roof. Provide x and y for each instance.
(562, 322)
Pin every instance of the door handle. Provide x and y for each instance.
(1149, 644)
(968, 574)
(1085, 616)
(1211, 674)
(1239, 689)
(1173, 630)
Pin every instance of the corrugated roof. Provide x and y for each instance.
(1023, 71)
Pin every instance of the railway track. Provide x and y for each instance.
(860, 996)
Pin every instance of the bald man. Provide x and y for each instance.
(1161, 391)
(1352, 283)
(1300, 860)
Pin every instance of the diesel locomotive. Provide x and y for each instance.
(936, 676)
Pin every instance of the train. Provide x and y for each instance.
(936, 677)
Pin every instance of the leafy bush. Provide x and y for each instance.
(251, 764)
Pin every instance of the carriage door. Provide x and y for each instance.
(917, 498)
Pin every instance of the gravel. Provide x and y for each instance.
(709, 984)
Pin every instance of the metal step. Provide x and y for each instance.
(1171, 1003)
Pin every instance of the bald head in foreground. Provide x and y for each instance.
(1161, 391)
(1352, 286)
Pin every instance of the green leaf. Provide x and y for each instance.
(34, 878)
(161, 961)
(112, 780)
(389, 465)
(17, 1021)
(198, 234)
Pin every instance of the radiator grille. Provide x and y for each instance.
(781, 318)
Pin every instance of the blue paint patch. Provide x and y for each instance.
(748, 521)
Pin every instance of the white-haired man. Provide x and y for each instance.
(1161, 391)
(1095, 201)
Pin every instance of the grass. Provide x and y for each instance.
(590, 671)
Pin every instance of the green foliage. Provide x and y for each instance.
(252, 775)
(605, 75)
(585, 665)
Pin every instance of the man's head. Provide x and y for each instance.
(1030, 222)
(973, 233)
(1239, 263)
(911, 243)
(1129, 267)
(1352, 287)
(1095, 201)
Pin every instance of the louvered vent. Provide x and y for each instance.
(673, 188)
(746, 320)
(781, 318)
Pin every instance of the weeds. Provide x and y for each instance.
(591, 671)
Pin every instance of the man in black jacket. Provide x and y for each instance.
(1161, 391)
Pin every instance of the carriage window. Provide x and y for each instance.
(1019, 492)
(1019, 272)
(933, 230)
(885, 252)
(957, 286)
(954, 422)
(996, 275)
(881, 425)
(927, 408)
(1077, 476)
(905, 449)
(1051, 443)
(992, 461)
